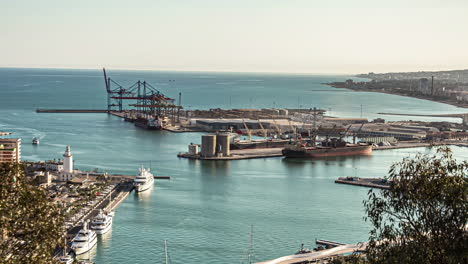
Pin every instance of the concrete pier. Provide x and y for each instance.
(365, 182)
(71, 111)
(238, 154)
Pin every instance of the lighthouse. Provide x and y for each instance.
(67, 161)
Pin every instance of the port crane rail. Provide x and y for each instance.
(149, 100)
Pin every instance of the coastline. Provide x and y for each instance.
(427, 98)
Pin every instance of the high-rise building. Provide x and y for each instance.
(10, 150)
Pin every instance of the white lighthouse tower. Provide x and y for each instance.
(67, 161)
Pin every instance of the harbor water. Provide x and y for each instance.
(205, 211)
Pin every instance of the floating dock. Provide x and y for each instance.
(365, 182)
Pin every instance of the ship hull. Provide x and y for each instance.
(328, 152)
(85, 247)
(144, 187)
(102, 231)
(146, 126)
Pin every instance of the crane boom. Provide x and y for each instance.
(293, 129)
(263, 129)
(277, 128)
(248, 130)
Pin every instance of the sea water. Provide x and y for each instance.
(206, 210)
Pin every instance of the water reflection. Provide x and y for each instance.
(145, 196)
(105, 239)
(88, 255)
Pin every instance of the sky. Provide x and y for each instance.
(297, 36)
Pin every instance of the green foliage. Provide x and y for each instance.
(351, 259)
(422, 218)
(31, 225)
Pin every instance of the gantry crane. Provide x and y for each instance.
(148, 99)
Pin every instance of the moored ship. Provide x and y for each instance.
(102, 223)
(84, 241)
(237, 143)
(149, 123)
(144, 180)
(328, 148)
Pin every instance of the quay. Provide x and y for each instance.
(401, 145)
(365, 182)
(410, 114)
(107, 202)
(70, 111)
(239, 154)
(319, 256)
(328, 243)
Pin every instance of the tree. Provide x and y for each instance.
(422, 218)
(31, 225)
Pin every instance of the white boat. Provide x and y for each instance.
(67, 259)
(35, 141)
(102, 223)
(84, 241)
(144, 180)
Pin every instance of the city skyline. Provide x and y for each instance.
(242, 36)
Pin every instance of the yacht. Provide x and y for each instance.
(144, 180)
(102, 223)
(84, 241)
(67, 259)
(35, 141)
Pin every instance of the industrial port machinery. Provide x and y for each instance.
(145, 99)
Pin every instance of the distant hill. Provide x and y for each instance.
(459, 76)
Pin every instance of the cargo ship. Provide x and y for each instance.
(150, 123)
(328, 148)
(237, 143)
(261, 143)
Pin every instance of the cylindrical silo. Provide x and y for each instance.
(283, 112)
(223, 144)
(208, 146)
(193, 149)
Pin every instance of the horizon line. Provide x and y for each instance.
(217, 71)
(178, 70)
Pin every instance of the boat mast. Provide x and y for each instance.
(165, 250)
(251, 244)
(314, 127)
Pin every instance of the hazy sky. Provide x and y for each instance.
(311, 36)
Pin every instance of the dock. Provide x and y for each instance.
(318, 256)
(328, 243)
(71, 111)
(108, 202)
(402, 145)
(162, 177)
(365, 182)
(239, 154)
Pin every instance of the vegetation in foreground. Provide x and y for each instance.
(31, 225)
(422, 218)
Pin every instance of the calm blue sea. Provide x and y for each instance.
(205, 211)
